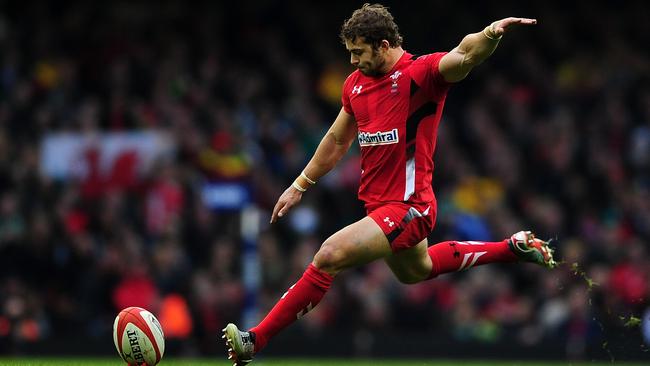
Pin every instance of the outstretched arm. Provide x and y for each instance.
(331, 149)
(475, 48)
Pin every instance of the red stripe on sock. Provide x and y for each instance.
(296, 302)
(452, 256)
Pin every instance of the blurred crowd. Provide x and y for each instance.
(551, 134)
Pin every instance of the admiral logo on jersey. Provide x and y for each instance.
(378, 138)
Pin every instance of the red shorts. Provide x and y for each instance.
(405, 224)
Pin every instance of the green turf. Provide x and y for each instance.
(285, 362)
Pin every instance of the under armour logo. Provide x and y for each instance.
(357, 89)
(390, 223)
(466, 260)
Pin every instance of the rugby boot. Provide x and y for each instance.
(241, 345)
(530, 249)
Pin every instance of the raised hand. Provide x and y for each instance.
(498, 28)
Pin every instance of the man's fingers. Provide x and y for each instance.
(284, 209)
(511, 21)
(499, 27)
(276, 210)
(280, 210)
(527, 21)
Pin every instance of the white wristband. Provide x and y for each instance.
(298, 187)
(312, 182)
(485, 33)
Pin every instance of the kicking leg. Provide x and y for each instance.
(419, 263)
(356, 244)
(405, 225)
(451, 256)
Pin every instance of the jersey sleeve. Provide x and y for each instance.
(427, 75)
(345, 96)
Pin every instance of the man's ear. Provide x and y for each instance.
(384, 45)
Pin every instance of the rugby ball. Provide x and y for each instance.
(138, 337)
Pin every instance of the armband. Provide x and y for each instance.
(298, 187)
(312, 182)
(488, 32)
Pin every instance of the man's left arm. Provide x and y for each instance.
(475, 48)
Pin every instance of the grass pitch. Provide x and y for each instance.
(285, 362)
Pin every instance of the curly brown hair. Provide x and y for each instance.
(374, 23)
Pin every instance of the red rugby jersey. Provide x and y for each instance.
(397, 116)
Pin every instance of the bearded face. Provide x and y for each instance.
(369, 60)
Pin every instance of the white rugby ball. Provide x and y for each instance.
(138, 337)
